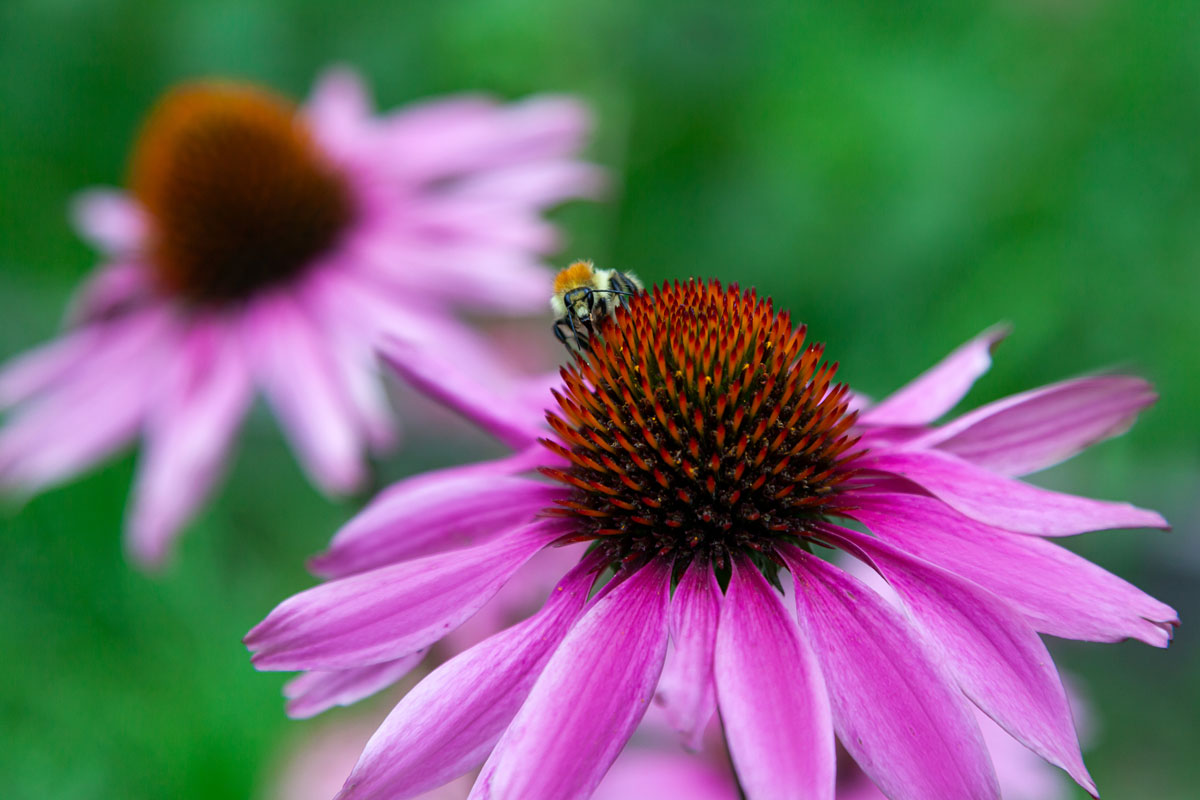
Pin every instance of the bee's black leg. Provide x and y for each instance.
(560, 335)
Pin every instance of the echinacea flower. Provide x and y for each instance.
(707, 456)
(265, 246)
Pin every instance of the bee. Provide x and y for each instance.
(582, 296)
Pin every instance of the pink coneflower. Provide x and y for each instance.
(266, 246)
(705, 454)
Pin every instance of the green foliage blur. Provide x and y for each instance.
(899, 175)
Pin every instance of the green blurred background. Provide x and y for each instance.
(900, 175)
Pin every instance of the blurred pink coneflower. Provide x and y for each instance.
(261, 246)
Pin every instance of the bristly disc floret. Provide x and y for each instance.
(700, 426)
(239, 196)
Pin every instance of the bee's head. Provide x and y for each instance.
(580, 302)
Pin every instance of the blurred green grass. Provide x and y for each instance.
(900, 176)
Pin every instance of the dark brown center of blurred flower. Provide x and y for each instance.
(699, 426)
(238, 195)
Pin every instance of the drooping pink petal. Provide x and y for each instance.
(110, 219)
(773, 700)
(429, 513)
(997, 658)
(190, 430)
(537, 184)
(896, 712)
(447, 724)
(41, 368)
(502, 279)
(1037, 429)
(295, 368)
(588, 699)
(338, 110)
(393, 611)
(938, 389)
(651, 775)
(96, 408)
(112, 290)
(1006, 502)
(314, 692)
(511, 421)
(1058, 592)
(352, 345)
(486, 136)
(454, 216)
(686, 689)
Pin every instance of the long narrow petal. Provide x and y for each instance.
(97, 407)
(651, 775)
(513, 422)
(535, 185)
(687, 688)
(898, 714)
(1006, 502)
(486, 136)
(294, 366)
(429, 513)
(188, 437)
(112, 290)
(938, 389)
(773, 699)
(109, 219)
(588, 699)
(338, 109)
(314, 692)
(998, 659)
(1058, 592)
(393, 611)
(39, 369)
(1037, 429)
(447, 724)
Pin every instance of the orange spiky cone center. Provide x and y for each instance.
(700, 426)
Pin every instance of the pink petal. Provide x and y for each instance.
(481, 137)
(352, 346)
(295, 367)
(110, 220)
(1058, 592)
(535, 185)
(686, 688)
(999, 661)
(895, 711)
(40, 369)
(435, 511)
(497, 223)
(339, 114)
(114, 289)
(1005, 502)
(314, 692)
(512, 421)
(451, 719)
(938, 389)
(588, 699)
(1034, 430)
(392, 611)
(648, 775)
(502, 279)
(773, 701)
(95, 408)
(206, 395)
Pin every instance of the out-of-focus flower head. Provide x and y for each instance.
(705, 455)
(265, 247)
